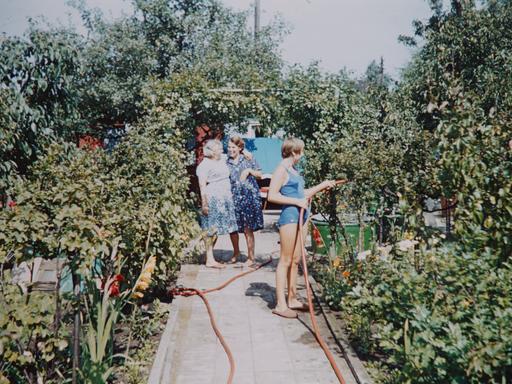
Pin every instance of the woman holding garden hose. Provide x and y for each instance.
(287, 189)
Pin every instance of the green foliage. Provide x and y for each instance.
(437, 315)
(335, 285)
(459, 87)
(57, 84)
(37, 73)
(202, 44)
(319, 106)
(362, 132)
(117, 63)
(113, 211)
(55, 212)
(149, 185)
(476, 167)
(466, 46)
(201, 102)
(33, 346)
(117, 209)
(102, 315)
(86, 205)
(145, 325)
(8, 140)
(440, 313)
(172, 28)
(321, 109)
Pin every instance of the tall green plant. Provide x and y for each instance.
(38, 73)
(102, 313)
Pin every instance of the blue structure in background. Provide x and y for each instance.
(266, 151)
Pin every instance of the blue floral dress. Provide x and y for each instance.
(246, 195)
(221, 217)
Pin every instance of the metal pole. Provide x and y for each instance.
(332, 224)
(381, 224)
(76, 329)
(257, 9)
(381, 70)
(448, 218)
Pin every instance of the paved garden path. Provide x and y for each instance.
(267, 349)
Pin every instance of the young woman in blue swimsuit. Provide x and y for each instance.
(287, 188)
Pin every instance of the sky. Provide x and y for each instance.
(338, 33)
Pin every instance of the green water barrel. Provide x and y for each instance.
(351, 230)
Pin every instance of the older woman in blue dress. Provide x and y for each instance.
(244, 171)
(287, 188)
(218, 211)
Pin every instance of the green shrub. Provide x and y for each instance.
(437, 316)
(33, 344)
(105, 214)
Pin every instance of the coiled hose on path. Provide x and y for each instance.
(181, 291)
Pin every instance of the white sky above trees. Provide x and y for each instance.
(338, 33)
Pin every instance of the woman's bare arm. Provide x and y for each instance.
(319, 187)
(204, 198)
(249, 171)
(256, 173)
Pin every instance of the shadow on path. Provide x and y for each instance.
(263, 290)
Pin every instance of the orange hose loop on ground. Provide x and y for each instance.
(237, 277)
(186, 292)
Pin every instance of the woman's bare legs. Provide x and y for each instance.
(210, 260)
(294, 268)
(288, 234)
(236, 246)
(249, 238)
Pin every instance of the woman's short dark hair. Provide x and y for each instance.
(291, 146)
(238, 141)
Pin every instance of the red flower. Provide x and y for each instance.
(11, 204)
(317, 237)
(118, 277)
(114, 289)
(89, 142)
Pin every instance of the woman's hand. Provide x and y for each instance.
(247, 155)
(204, 210)
(303, 203)
(245, 174)
(327, 184)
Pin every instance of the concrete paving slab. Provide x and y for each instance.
(267, 349)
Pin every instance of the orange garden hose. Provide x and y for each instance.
(318, 337)
(231, 359)
(181, 291)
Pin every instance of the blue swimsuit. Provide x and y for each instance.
(294, 187)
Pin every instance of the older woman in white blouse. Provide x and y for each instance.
(218, 211)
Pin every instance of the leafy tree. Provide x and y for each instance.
(104, 214)
(8, 141)
(118, 62)
(457, 91)
(376, 77)
(37, 73)
(200, 43)
(460, 86)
